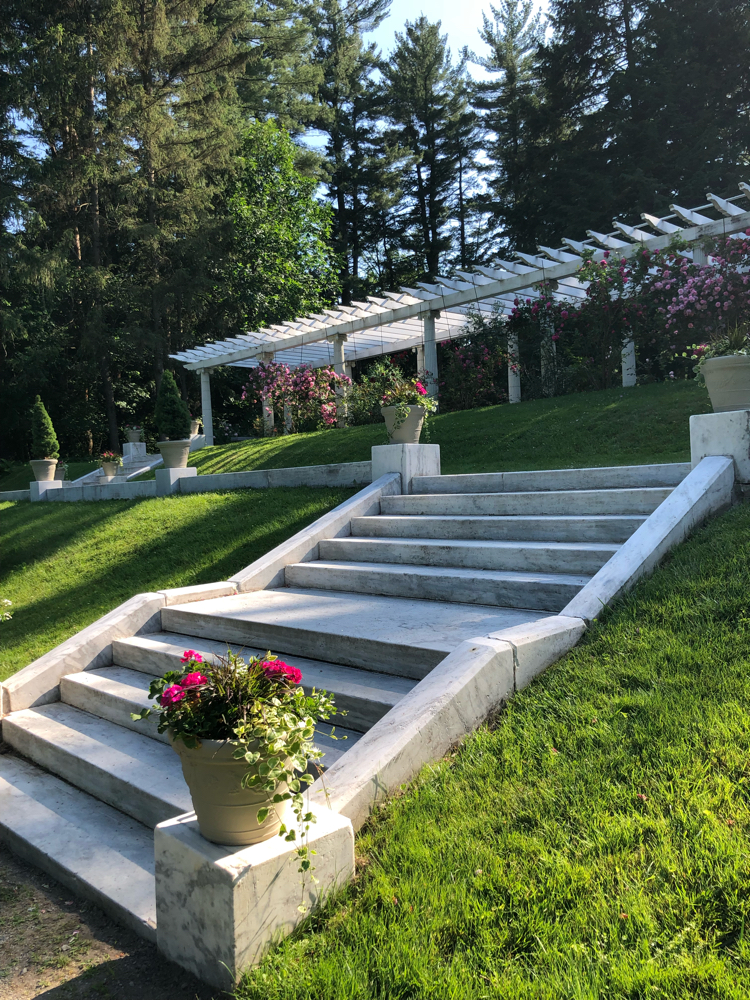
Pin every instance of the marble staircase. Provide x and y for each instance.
(82, 784)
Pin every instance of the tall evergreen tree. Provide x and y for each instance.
(425, 99)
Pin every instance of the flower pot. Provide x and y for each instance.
(43, 469)
(408, 432)
(226, 811)
(134, 436)
(109, 468)
(728, 382)
(194, 428)
(175, 453)
(60, 472)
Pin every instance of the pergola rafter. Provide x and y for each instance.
(419, 318)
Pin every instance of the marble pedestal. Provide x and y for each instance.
(168, 480)
(218, 908)
(725, 434)
(37, 490)
(134, 454)
(407, 459)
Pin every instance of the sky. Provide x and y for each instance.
(461, 20)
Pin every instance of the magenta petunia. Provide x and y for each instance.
(278, 668)
(171, 695)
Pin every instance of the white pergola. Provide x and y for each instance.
(420, 318)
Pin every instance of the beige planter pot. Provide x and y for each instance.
(43, 469)
(728, 382)
(175, 453)
(226, 811)
(60, 473)
(134, 437)
(410, 429)
(110, 468)
(194, 428)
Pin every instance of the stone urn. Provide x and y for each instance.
(195, 428)
(43, 469)
(408, 432)
(134, 435)
(728, 382)
(175, 453)
(110, 468)
(226, 812)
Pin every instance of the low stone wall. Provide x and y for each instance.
(339, 474)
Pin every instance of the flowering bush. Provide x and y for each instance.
(261, 709)
(110, 456)
(312, 394)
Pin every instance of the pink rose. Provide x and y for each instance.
(171, 695)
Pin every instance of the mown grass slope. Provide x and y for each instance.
(591, 842)
(64, 565)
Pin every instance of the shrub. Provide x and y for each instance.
(172, 415)
(43, 438)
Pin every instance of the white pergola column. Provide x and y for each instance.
(208, 419)
(340, 367)
(287, 418)
(628, 364)
(430, 352)
(514, 371)
(266, 403)
(420, 358)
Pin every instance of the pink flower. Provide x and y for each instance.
(190, 654)
(193, 680)
(171, 695)
(275, 668)
(420, 389)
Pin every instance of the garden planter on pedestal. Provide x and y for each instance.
(408, 432)
(175, 453)
(194, 428)
(226, 811)
(109, 468)
(134, 436)
(728, 382)
(43, 469)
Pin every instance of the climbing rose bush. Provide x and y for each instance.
(312, 394)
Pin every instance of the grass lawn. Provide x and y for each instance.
(64, 565)
(613, 427)
(591, 843)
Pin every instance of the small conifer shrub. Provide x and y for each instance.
(172, 415)
(44, 442)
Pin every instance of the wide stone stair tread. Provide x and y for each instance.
(132, 772)
(597, 478)
(637, 501)
(384, 634)
(503, 588)
(602, 528)
(365, 696)
(112, 693)
(94, 850)
(578, 558)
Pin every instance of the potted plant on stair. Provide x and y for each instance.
(44, 444)
(244, 732)
(133, 433)
(172, 423)
(724, 368)
(405, 407)
(110, 462)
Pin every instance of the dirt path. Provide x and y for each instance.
(55, 945)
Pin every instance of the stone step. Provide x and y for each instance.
(545, 591)
(635, 501)
(578, 558)
(602, 529)
(606, 478)
(93, 849)
(365, 696)
(134, 773)
(385, 634)
(112, 693)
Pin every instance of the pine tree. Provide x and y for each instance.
(425, 95)
(44, 442)
(172, 415)
(506, 102)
